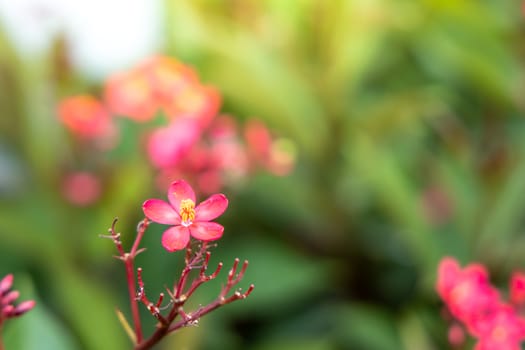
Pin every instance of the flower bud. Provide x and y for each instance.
(6, 283)
(23, 307)
(10, 297)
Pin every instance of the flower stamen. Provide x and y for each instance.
(187, 212)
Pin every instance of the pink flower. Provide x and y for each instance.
(186, 218)
(456, 335)
(81, 188)
(131, 95)
(85, 116)
(161, 83)
(275, 155)
(168, 77)
(504, 329)
(258, 140)
(169, 145)
(200, 102)
(467, 292)
(517, 288)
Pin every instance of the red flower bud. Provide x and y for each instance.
(23, 307)
(6, 283)
(10, 297)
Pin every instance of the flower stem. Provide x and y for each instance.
(140, 233)
(128, 259)
(130, 275)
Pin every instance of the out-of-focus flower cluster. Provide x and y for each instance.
(184, 133)
(8, 309)
(478, 306)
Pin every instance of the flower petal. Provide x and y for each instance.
(211, 208)
(206, 231)
(161, 212)
(178, 191)
(175, 238)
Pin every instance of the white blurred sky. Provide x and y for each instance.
(103, 35)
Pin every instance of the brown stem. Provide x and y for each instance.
(140, 233)
(128, 259)
(167, 327)
(190, 264)
(210, 307)
(130, 276)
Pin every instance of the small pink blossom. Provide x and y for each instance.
(130, 94)
(161, 83)
(227, 153)
(169, 145)
(282, 157)
(85, 116)
(81, 188)
(467, 292)
(275, 155)
(473, 301)
(503, 329)
(186, 218)
(197, 101)
(258, 140)
(167, 77)
(517, 288)
(456, 335)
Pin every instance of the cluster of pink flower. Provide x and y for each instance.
(478, 306)
(196, 142)
(8, 297)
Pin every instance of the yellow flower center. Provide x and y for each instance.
(187, 212)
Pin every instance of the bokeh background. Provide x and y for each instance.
(407, 121)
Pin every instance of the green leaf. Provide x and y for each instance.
(362, 326)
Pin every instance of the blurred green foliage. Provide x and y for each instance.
(408, 117)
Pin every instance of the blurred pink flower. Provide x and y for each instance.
(517, 288)
(197, 101)
(168, 77)
(209, 181)
(471, 299)
(456, 335)
(282, 157)
(161, 83)
(85, 116)
(167, 146)
(258, 140)
(81, 188)
(276, 156)
(227, 154)
(467, 293)
(186, 218)
(503, 329)
(130, 94)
